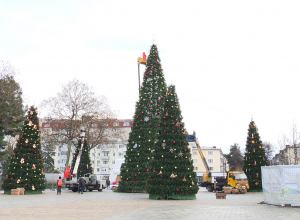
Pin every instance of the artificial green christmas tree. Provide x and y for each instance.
(254, 158)
(171, 173)
(26, 165)
(84, 166)
(144, 129)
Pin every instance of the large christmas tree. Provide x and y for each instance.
(84, 166)
(144, 129)
(255, 157)
(26, 165)
(171, 173)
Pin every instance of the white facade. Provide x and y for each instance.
(102, 157)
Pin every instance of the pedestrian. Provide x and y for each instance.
(78, 185)
(108, 183)
(59, 185)
(82, 184)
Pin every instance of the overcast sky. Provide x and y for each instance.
(229, 60)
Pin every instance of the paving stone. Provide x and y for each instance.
(111, 205)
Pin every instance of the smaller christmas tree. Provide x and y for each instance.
(26, 166)
(254, 158)
(171, 173)
(85, 166)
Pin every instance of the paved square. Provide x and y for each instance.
(113, 206)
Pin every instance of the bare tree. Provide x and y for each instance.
(292, 140)
(76, 106)
(48, 149)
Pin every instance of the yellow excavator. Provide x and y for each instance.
(235, 179)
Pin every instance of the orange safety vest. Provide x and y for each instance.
(59, 183)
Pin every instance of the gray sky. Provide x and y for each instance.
(229, 60)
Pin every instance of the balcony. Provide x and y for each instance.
(104, 157)
(106, 149)
(104, 172)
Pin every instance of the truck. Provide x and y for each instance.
(91, 180)
(234, 179)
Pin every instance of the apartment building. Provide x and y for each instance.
(215, 159)
(213, 155)
(103, 156)
(290, 155)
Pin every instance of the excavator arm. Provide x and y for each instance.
(207, 175)
(79, 154)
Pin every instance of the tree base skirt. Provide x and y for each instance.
(172, 197)
(117, 190)
(8, 192)
(254, 190)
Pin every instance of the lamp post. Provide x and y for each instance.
(139, 77)
(144, 62)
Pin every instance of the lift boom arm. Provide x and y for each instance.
(202, 155)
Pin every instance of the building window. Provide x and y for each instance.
(120, 146)
(93, 154)
(98, 154)
(210, 161)
(105, 154)
(114, 154)
(58, 161)
(98, 162)
(120, 154)
(105, 162)
(98, 169)
(116, 123)
(196, 168)
(211, 168)
(58, 154)
(195, 160)
(194, 153)
(210, 152)
(92, 162)
(126, 123)
(113, 162)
